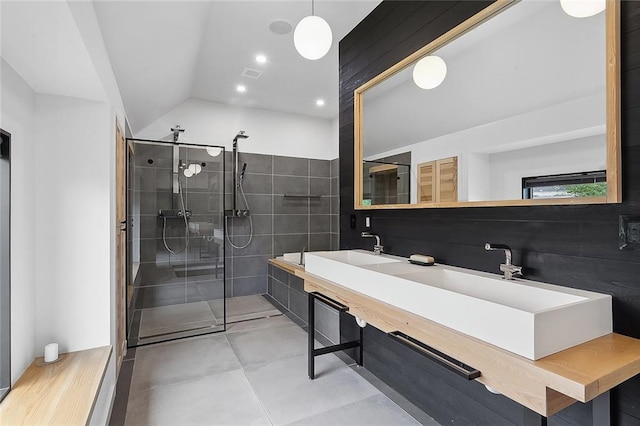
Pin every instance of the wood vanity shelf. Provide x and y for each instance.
(584, 373)
(63, 392)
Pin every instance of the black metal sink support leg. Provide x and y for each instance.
(311, 332)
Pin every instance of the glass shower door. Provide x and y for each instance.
(176, 208)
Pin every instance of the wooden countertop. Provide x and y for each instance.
(60, 393)
(546, 386)
(287, 266)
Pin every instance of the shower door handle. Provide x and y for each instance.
(123, 225)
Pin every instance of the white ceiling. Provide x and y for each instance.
(165, 52)
(42, 43)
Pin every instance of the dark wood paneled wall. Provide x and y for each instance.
(575, 246)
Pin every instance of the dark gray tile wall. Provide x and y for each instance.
(278, 223)
(281, 223)
(287, 291)
(190, 275)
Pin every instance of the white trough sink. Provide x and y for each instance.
(529, 318)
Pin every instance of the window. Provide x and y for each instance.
(5, 272)
(568, 185)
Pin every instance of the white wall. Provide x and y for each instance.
(73, 222)
(507, 169)
(17, 112)
(270, 132)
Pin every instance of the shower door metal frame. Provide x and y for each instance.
(224, 234)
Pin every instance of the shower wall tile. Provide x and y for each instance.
(256, 163)
(257, 184)
(320, 186)
(260, 245)
(290, 223)
(150, 226)
(335, 223)
(334, 207)
(319, 223)
(259, 204)
(249, 285)
(289, 243)
(291, 166)
(335, 167)
(290, 185)
(335, 186)
(319, 242)
(290, 205)
(320, 205)
(262, 225)
(249, 266)
(319, 168)
(149, 297)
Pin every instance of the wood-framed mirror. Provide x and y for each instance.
(528, 113)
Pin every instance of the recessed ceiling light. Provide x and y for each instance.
(280, 27)
(240, 88)
(261, 59)
(320, 102)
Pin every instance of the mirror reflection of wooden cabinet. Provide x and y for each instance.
(438, 181)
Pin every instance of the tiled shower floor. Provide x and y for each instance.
(162, 321)
(255, 373)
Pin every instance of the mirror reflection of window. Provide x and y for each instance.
(568, 185)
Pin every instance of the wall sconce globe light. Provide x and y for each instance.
(188, 173)
(312, 37)
(583, 8)
(213, 151)
(195, 168)
(429, 72)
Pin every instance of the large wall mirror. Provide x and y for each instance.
(519, 105)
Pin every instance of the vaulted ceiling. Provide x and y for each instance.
(165, 52)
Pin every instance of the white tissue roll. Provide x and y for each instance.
(51, 352)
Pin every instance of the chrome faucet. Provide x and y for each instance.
(377, 249)
(507, 267)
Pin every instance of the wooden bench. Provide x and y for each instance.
(59, 393)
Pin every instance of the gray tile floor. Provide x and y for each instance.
(158, 323)
(255, 373)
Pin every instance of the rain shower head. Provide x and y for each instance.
(240, 135)
(176, 132)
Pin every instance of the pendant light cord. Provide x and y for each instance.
(313, 13)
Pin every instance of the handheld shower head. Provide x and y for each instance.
(244, 168)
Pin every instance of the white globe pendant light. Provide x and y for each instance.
(429, 72)
(583, 8)
(312, 37)
(213, 151)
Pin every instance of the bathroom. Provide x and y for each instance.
(62, 140)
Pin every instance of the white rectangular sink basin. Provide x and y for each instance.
(291, 258)
(529, 318)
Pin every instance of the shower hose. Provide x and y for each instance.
(226, 223)
(186, 225)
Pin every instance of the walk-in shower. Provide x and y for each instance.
(176, 244)
(181, 229)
